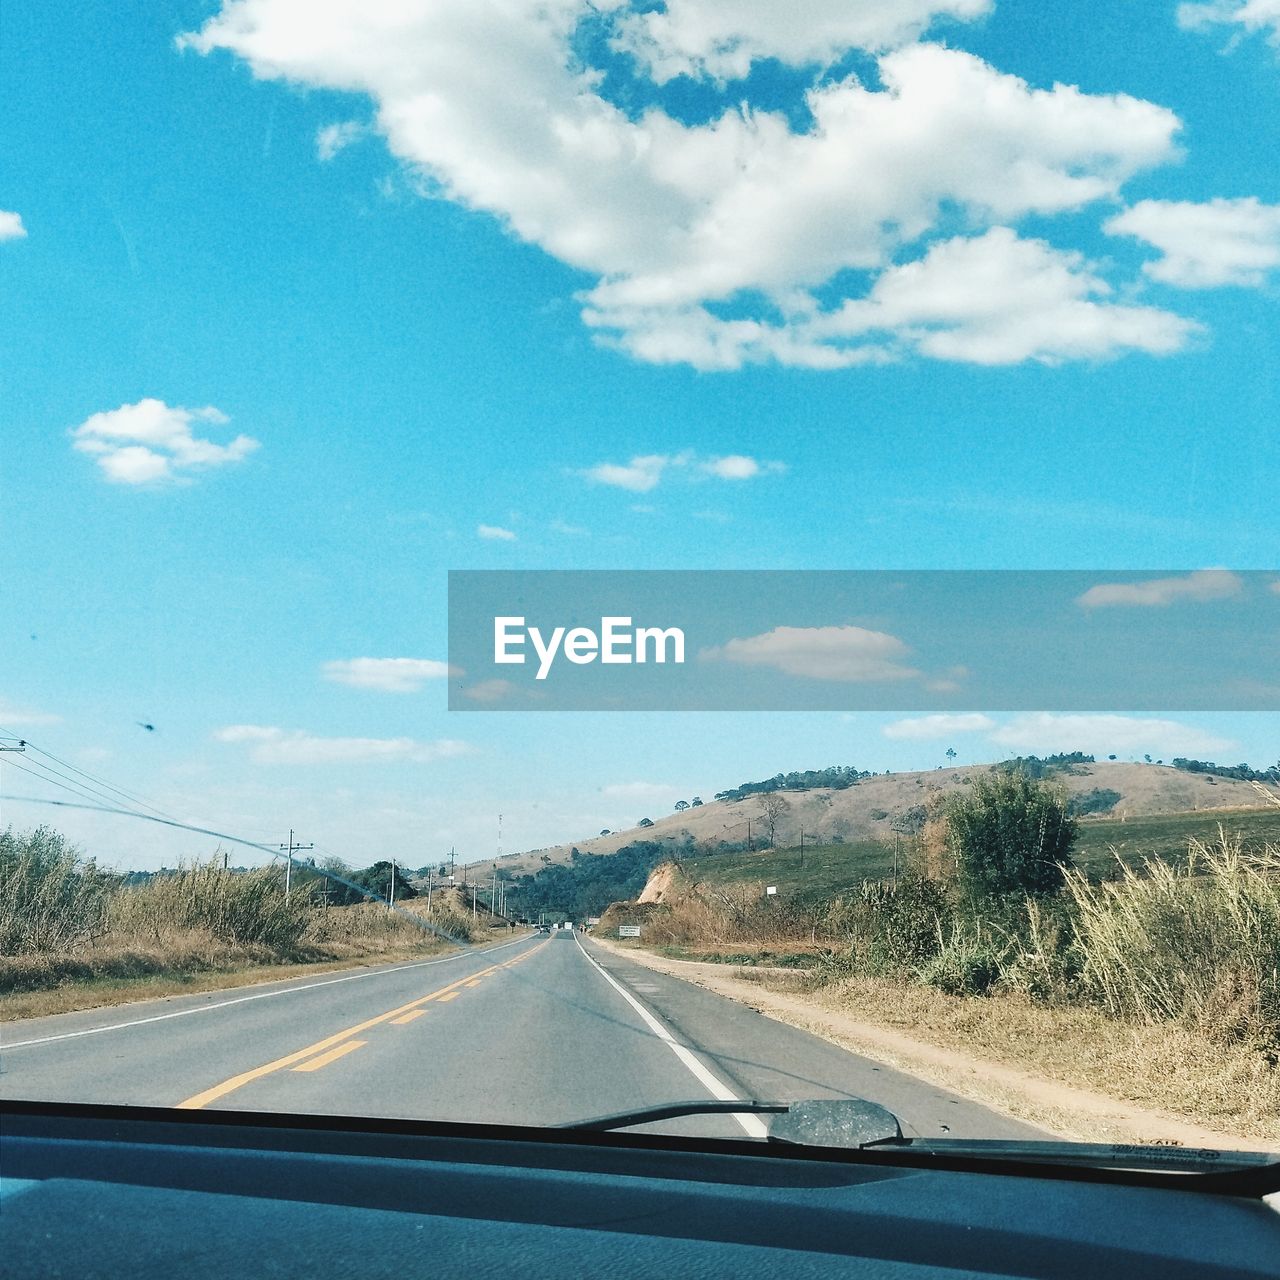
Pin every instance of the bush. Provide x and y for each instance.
(1009, 835)
(1099, 800)
(965, 965)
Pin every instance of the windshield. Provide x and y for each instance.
(566, 561)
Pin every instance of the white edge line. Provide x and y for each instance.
(261, 995)
(752, 1125)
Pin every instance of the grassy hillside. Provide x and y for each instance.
(868, 810)
(824, 871)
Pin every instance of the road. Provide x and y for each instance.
(540, 1030)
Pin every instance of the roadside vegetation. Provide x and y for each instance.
(1108, 963)
(73, 935)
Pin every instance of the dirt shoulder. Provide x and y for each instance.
(1023, 1060)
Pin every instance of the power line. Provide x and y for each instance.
(73, 789)
(101, 782)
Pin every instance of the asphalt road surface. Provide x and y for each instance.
(540, 1030)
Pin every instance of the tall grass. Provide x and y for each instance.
(63, 921)
(1197, 943)
(50, 898)
(244, 908)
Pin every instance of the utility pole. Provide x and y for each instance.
(288, 866)
(473, 898)
(802, 846)
(430, 881)
(750, 847)
(22, 746)
(391, 900)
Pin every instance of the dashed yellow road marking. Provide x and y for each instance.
(332, 1056)
(449, 992)
(407, 1017)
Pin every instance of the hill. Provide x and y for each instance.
(870, 809)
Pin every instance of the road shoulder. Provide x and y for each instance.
(1073, 1113)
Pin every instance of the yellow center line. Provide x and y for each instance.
(475, 982)
(452, 995)
(449, 992)
(404, 1017)
(332, 1056)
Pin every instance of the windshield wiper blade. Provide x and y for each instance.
(672, 1110)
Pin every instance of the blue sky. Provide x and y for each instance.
(539, 293)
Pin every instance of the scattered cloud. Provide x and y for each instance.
(640, 475)
(270, 745)
(151, 442)
(494, 533)
(851, 654)
(1202, 586)
(645, 471)
(1107, 735)
(392, 675)
(1246, 17)
(737, 466)
(11, 227)
(13, 717)
(490, 691)
(999, 299)
(926, 728)
(333, 138)
(569, 530)
(1220, 242)
(721, 41)
(492, 106)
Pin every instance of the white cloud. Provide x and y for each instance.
(737, 466)
(1251, 17)
(1107, 735)
(333, 138)
(490, 106)
(271, 745)
(392, 675)
(926, 728)
(646, 471)
(22, 717)
(11, 227)
(1221, 242)
(1201, 586)
(151, 441)
(999, 299)
(719, 40)
(494, 533)
(640, 475)
(569, 530)
(851, 654)
(490, 691)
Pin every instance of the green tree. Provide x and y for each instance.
(1009, 834)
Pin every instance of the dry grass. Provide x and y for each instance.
(72, 937)
(1171, 1069)
(1197, 943)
